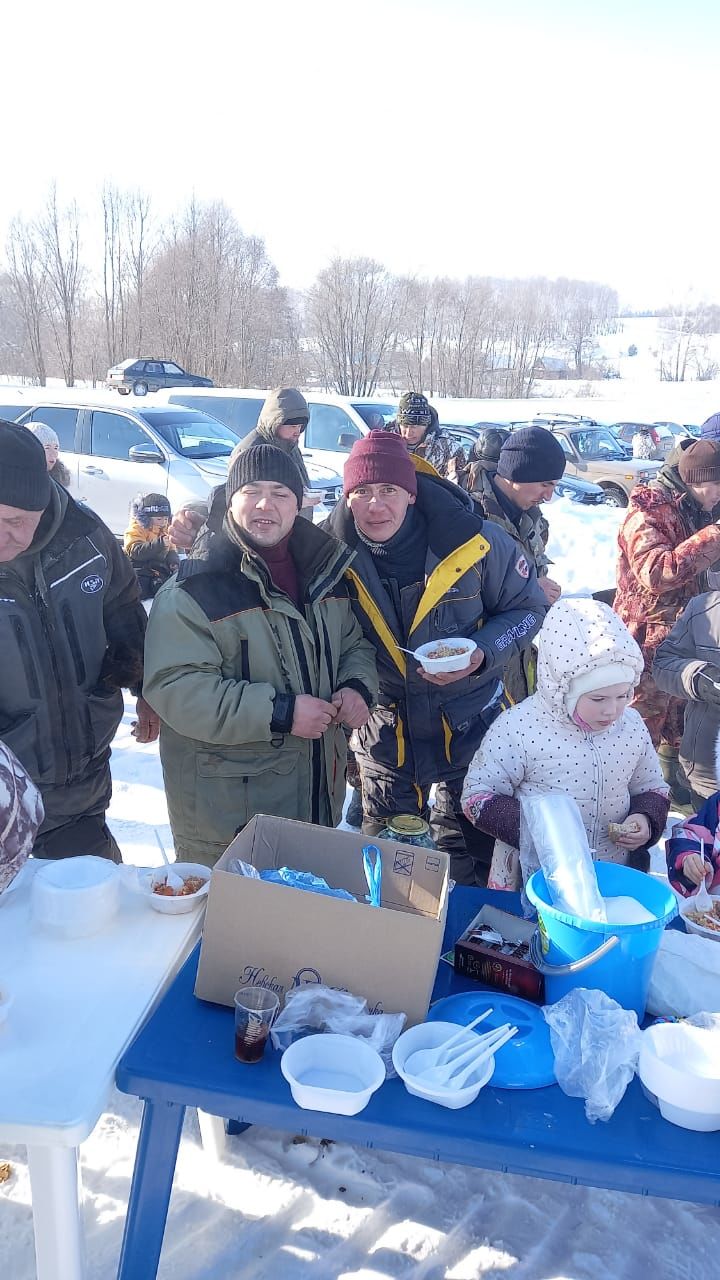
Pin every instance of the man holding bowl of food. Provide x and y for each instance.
(429, 576)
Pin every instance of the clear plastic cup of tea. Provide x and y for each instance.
(255, 1011)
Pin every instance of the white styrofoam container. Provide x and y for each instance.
(75, 896)
(332, 1072)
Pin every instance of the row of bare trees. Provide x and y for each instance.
(199, 290)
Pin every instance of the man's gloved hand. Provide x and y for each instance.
(706, 685)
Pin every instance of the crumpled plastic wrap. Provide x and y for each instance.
(596, 1044)
(553, 837)
(312, 1008)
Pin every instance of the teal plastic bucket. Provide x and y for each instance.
(620, 968)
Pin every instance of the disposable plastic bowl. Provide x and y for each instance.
(458, 662)
(685, 905)
(175, 906)
(75, 896)
(331, 1072)
(430, 1035)
(681, 1076)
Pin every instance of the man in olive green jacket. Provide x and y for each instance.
(254, 663)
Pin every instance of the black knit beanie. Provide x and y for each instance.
(263, 462)
(531, 455)
(24, 479)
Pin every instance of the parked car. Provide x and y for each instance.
(142, 376)
(583, 491)
(115, 453)
(594, 453)
(666, 435)
(336, 422)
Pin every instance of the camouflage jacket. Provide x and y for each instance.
(447, 457)
(666, 542)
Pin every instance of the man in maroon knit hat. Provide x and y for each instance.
(427, 567)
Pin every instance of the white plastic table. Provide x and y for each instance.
(77, 1004)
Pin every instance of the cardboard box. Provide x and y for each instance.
(493, 963)
(275, 936)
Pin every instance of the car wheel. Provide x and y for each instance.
(140, 388)
(614, 497)
(124, 391)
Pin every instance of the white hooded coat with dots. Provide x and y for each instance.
(536, 748)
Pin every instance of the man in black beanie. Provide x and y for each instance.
(530, 462)
(71, 638)
(254, 663)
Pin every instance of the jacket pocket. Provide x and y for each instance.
(465, 719)
(105, 710)
(21, 733)
(384, 738)
(232, 786)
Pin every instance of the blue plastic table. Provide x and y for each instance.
(183, 1057)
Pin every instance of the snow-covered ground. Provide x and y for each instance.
(278, 1209)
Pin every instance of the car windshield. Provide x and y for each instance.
(368, 413)
(597, 444)
(191, 434)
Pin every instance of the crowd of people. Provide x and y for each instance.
(278, 659)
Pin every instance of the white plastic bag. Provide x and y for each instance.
(553, 836)
(312, 1008)
(596, 1044)
(686, 976)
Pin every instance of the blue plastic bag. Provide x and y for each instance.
(305, 880)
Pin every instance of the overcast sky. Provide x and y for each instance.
(442, 137)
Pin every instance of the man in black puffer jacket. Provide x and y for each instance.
(428, 567)
(71, 636)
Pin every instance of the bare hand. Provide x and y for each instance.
(552, 590)
(695, 868)
(477, 658)
(186, 525)
(352, 709)
(312, 716)
(635, 839)
(311, 498)
(147, 726)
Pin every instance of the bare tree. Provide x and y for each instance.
(27, 274)
(59, 235)
(354, 311)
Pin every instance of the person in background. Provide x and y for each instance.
(642, 443)
(667, 541)
(147, 543)
(255, 664)
(51, 444)
(427, 567)
(484, 455)
(710, 429)
(687, 666)
(71, 637)
(693, 849)
(21, 812)
(576, 735)
(418, 424)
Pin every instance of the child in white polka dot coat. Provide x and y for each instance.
(576, 735)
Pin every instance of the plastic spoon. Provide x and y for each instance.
(424, 1059)
(461, 1078)
(485, 1046)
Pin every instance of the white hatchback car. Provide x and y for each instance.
(115, 453)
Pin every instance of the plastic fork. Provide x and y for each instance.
(424, 1059)
(485, 1045)
(461, 1078)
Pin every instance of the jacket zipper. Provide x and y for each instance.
(316, 744)
(600, 790)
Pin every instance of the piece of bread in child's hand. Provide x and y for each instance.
(627, 828)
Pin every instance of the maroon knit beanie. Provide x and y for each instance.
(381, 457)
(700, 462)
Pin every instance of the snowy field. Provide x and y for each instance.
(280, 1210)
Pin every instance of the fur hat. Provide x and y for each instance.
(264, 462)
(381, 457)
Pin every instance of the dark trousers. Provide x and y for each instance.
(87, 834)
(470, 851)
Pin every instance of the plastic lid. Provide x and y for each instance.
(83, 872)
(526, 1061)
(406, 824)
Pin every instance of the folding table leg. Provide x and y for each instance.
(56, 1197)
(212, 1134)
(152, 1181)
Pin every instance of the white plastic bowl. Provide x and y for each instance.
(458, 662)
(331, 1072)
(679, 1067)
(685, 905)
(175, 906)
(75, 896)
(430, 1035)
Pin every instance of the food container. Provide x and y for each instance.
(679, 1068)
(332, 1072)
(689, 904)
(429, 1035)
(409, 829)
(179, 905)
(75, 897)
(494, 949)
(458, 660)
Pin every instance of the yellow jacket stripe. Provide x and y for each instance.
(381, 627)
(446, 574)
